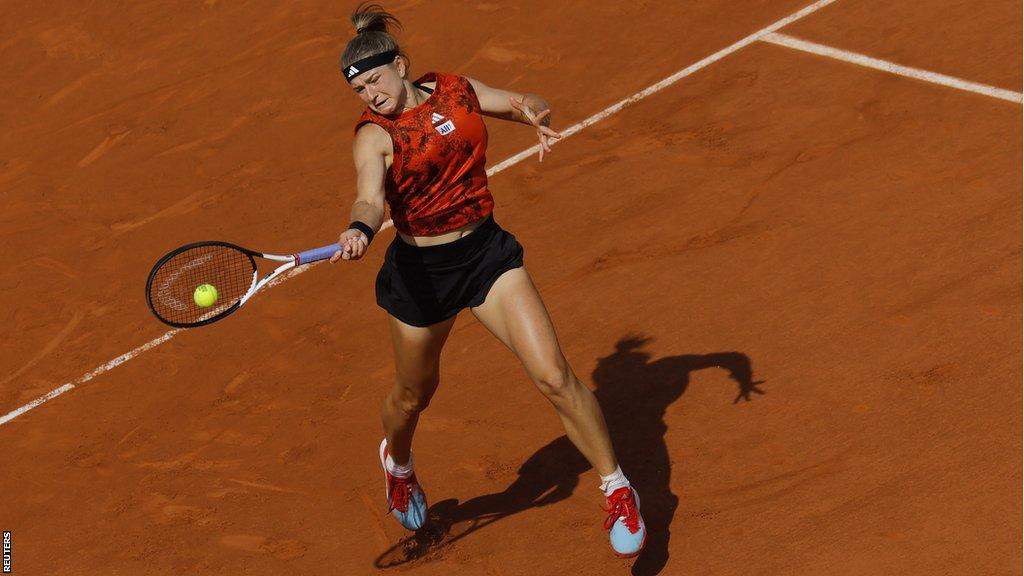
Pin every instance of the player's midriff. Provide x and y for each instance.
(437, 182)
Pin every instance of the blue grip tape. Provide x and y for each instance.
(316, 254)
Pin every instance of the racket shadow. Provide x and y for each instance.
(634, 393)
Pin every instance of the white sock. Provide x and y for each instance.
(399, 471)
(613, 481)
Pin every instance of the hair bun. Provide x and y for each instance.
(370, 17)
(373, 27)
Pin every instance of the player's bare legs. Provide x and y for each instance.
(417, 372)
(515, 314)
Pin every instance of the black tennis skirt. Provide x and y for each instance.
(422, 286)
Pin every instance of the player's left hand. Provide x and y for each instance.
(540, 121)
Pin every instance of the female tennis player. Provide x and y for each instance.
(419, 147)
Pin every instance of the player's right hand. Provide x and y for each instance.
(353, 245)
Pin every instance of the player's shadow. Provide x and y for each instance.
(634, 393)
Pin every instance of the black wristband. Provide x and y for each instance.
(364, 228)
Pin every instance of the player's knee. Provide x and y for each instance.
(412, 400)
(413, 405)
(557, 383)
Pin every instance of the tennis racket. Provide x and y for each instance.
(230, 269)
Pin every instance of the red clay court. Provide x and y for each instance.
(821, 210)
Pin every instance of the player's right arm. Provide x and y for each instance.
(370, 150)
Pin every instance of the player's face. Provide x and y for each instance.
(382, 89)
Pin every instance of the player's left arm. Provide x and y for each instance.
(528, 109)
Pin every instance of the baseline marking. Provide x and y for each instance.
(893, 68)
(767, 30)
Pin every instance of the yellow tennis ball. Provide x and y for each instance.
(205, 295)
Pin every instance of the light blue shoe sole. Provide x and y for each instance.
(416, 515)
(624, 543)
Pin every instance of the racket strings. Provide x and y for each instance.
(173, 284)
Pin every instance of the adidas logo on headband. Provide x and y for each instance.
(369, 63)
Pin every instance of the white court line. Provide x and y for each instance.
(875, 63)
(767, 30)
(490, 172)
(83, 379)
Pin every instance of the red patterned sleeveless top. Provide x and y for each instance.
(437, 181)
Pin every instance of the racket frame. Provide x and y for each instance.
(289, 263)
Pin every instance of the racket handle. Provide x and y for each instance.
(316, 254)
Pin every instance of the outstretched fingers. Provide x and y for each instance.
(544, 133)
(521, 106)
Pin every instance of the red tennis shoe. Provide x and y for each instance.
(625, 526)
(406, 500)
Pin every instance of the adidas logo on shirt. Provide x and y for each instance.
(445, 128)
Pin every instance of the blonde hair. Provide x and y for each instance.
(373, 25)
